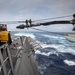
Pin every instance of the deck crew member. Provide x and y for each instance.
(5, 36)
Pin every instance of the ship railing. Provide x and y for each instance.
(24, 53)
(6, 65)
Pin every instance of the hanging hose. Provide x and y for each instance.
(41, 30)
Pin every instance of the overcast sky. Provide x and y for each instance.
(11, 10)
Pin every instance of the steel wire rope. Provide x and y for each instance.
(41, 30)
(15, 22)
(53, 18)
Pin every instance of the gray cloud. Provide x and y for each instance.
(35, 9)
(45, 8)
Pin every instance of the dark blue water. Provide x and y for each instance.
(57, 55)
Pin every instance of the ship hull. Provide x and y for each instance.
(70, 37)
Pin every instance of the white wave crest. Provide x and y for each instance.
(46, 54)
(69, 62)
(55, 37)
(25, 34)
(60, 48)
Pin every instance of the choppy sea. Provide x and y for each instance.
(57, 56)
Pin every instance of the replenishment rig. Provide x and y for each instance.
(19, 58)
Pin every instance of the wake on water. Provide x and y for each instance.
(57, 56)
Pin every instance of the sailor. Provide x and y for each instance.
(5, 36)
(0, 27)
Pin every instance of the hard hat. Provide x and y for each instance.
(4, 27)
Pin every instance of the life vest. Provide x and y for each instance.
(3, 36)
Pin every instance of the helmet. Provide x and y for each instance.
(4, 27)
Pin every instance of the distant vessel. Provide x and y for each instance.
(70, 37)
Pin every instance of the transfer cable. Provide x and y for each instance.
(53, 18)
(16, 22)
(41, 30)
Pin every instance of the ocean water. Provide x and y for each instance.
(57, 55)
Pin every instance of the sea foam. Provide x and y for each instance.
(69, 62)
(25, 34)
